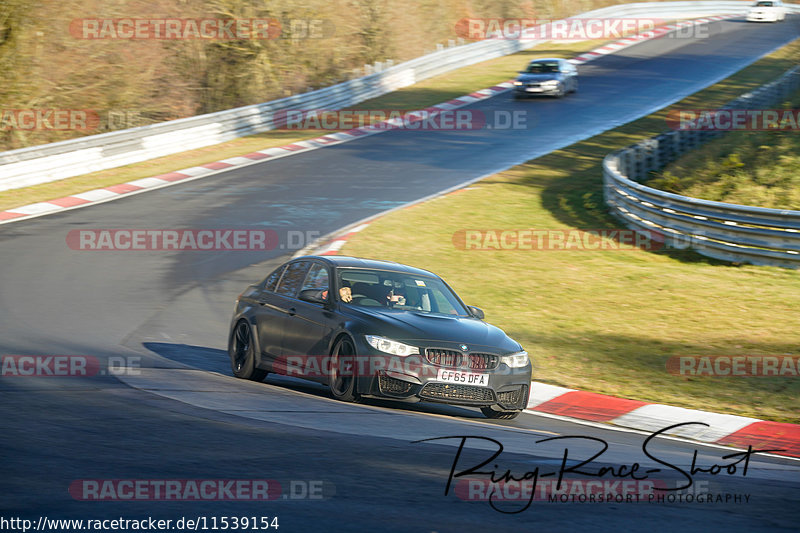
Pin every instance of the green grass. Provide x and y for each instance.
(749, 167)
(607, 321)
(419, 96)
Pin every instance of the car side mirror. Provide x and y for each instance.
(477, 312)
(313, 295)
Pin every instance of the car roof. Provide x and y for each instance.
(547, 59)
(343, 261)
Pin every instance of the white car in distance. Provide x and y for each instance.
(767, 11)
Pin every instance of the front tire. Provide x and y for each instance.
(243, 353)
(488, 412)
(343, 371)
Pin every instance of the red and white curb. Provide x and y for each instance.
(114, 192)
(739, 431)
(333, 247)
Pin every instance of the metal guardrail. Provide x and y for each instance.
(731, 232)
(51, 162)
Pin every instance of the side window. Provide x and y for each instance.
(316, 279)
(272, 279)
(292, 279)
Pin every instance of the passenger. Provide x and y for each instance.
(346, 294)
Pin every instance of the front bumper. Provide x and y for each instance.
(414, 378)
(762, 17)
(523, 90)
(511, 396)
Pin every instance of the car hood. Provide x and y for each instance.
(412, 327)
(539, 77)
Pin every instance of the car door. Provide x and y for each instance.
(307, 331)
(267, 316)
(275, 303)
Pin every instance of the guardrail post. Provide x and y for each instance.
(620, 162)
(608, 195)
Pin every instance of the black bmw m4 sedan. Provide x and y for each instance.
(379, 329)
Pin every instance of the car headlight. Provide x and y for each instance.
(550, 83)
(517, 83)
(516, 360)
(383, 344)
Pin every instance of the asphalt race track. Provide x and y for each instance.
(183, 416)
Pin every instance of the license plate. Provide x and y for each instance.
(534, 89)
(463, 378)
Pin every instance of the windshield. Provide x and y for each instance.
(542, 67)
(397, 290)
(764, 4)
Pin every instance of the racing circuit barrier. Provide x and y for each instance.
(731, 232)
(41, 164)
